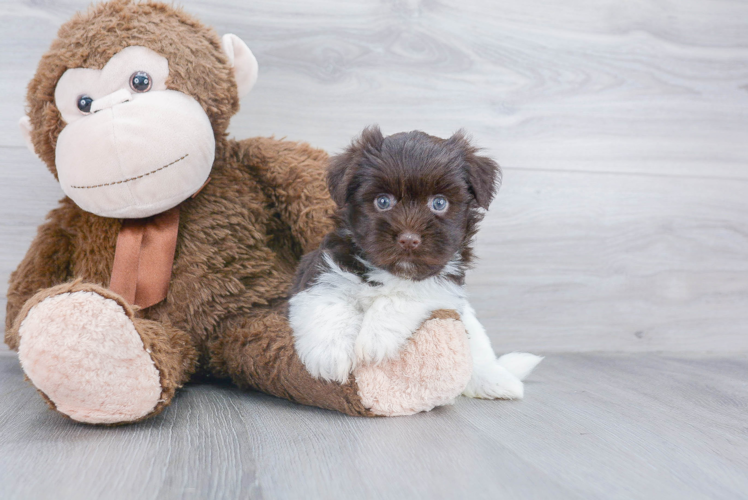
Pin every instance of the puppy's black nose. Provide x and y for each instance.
(409, 241)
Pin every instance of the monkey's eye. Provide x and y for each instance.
(84, 104)
(438, 204)
(140, 81)
(384, 202)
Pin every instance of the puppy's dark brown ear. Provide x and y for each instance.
(342, 167)
(338, 176)
(483, 175)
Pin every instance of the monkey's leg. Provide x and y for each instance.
(83, 348)
(433, 369)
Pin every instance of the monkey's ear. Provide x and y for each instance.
(26, 128)
(243, 62)
(482, 173)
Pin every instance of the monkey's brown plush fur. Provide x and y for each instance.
(238, 244)
(239, 240)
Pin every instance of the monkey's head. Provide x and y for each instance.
(130, 106)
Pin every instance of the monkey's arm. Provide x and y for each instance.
(293, 176)
(47, 263)
(257, 350)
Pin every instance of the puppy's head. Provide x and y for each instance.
(411, 200)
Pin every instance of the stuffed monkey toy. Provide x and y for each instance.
(174, 249)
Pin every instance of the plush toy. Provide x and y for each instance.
(174, 249)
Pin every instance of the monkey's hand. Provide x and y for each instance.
(47, 263)
(294, 176)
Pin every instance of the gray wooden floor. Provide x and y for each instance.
(622, 226)
(608, 426)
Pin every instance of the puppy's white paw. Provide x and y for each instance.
(332, 361)
(520, 364)
(377, 344)
(325, 326)
(493, 381)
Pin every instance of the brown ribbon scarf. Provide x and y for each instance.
(144, 257)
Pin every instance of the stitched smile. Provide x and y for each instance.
(132, 178)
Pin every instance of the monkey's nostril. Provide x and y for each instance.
(409, 241)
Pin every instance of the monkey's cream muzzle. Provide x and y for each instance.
(136, 155)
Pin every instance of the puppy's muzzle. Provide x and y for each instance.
(409, 241)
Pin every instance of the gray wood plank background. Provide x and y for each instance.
(622, 128)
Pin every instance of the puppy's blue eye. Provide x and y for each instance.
(438, 204)
(84, 104)
(384, 202)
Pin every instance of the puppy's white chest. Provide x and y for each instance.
(406, 294)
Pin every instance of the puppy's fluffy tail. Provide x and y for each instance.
(519, 364)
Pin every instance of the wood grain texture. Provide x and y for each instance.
(621, 126)
(592, 426)
(614, 262)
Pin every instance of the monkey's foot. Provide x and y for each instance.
(432, 370)
(80, 348)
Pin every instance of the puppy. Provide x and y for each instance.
(409, 205)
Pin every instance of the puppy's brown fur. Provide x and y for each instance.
(413, 167)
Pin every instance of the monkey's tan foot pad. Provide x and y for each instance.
(82, 351)
(432, 371)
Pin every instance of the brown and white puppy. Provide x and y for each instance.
(409, 205)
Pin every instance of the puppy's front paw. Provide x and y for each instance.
(493, 381)
(332, 361)
(375, 345)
